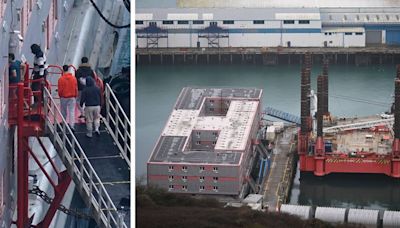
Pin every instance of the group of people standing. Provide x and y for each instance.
(79, 90)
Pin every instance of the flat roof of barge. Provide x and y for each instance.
(234, 128)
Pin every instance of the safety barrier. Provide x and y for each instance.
(117, 123)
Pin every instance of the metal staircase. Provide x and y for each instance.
(78, 166)
(94, 185)
(282, 115)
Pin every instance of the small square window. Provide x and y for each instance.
(201, 179)
(215, 169)
(170, 187)
(202, 168)
(215, 179)
(184, 168)
(184, 187)
(201, 188)
(171, 178)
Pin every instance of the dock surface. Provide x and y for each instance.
(278, 182)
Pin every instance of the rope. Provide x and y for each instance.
(106, 20)
(377, 103)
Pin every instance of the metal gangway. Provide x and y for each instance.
(359, 125)
(83, 164)
(282, 115)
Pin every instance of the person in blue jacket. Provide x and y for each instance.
(91, 99)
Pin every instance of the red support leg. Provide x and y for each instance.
(60, 190)
(22, 160)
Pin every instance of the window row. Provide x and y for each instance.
(225, 22)
(198, 133)
(184, 188)
(184, 168)
(184, 178)
(346, 33)
(199, 142)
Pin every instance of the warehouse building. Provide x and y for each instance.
(267, 27)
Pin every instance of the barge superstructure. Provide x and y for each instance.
(207, 143)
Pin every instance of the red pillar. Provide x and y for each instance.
(22, 165)
(396, 158)
(319, 157)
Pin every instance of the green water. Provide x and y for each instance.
(157, 88)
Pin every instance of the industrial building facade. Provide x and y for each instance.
(207, 142)
(267, 27)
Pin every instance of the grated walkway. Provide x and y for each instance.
(110, 166)
(273, 186)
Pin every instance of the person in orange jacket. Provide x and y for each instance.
(68, 91)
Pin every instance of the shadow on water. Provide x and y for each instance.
(347, 190)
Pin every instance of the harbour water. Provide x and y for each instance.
(353, 91)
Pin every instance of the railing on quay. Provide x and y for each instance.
(79, 167)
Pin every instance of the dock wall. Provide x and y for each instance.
(362, 56)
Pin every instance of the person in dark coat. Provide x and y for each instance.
(91, 98)
(84, 70)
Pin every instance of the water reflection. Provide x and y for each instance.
(346, 190)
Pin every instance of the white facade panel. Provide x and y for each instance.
(301, 39)
(182, 16)
(144, 16)
(207, 16)
(297, 16)
(179, 40)
(254, 39)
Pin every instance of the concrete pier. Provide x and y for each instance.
(268, 56)
(277, 185)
